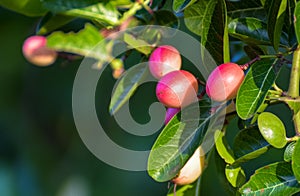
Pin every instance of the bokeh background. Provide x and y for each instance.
(41, 152)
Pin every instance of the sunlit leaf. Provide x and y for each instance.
(296, 161)
(223, 147)
(273, 179)
(82, 43)
(254, 88)
(235, 175)
(275, 22)
(126, 86)
(179, 139)
(272, 129)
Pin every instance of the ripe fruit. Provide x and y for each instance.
(224, 82)
(192, 169)
(170, 113)
(36, 51)
(163, 60)
(177, 89)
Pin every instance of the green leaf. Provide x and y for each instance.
(288, 152)
(254, 88)
(275, 22)
(179, 139)
(235, 175)
(249, 144)
(63, 5)
(208, 19)
(243, 4)
(296, 161)
(100, 12)
(272, 129)
(297, 21)
(257, 12)
(126, 86)
(82, 43)
(251, 30)
(273, 179)
(137, 44)
(166, 18)
(186, 190)
(51, 22)
(223, 148)
(198, 17)
(26, 7)
(216, 169)
(179, 5)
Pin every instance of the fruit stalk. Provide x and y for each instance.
(294, 86)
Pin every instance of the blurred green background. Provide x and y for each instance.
(41, 152)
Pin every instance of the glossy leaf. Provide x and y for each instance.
(26, 7)
(272, 129)
(138, 44)
(208, 19)
(288, 152)
(249, 144)
(257, 12)
(296, 161)
(82, 43)
(275, 23)
(126, 86)
(178, 141)
(235, 175)
(63, 5)
(254, 88)
(223, 148)
(297, 21)
(198, 17)
(273, 179)
(179, 5)
(105, 13)
(251, 30)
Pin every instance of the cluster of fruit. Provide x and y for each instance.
(178, 88)
(175, 89)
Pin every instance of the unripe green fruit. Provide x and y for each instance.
(170, 113)
(163, 60)
(36, 52)
(192, 169)
(177, 89)
(224, 81)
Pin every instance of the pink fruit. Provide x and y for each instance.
(224, 81)
(36, 51)
(192, 169)
(170, 113)
(177, 89)
(163, 60)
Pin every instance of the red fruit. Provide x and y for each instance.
(170, 113)
(163, 60)
(177, 89)
(192, 169)
(224, 81)
(36, 51)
